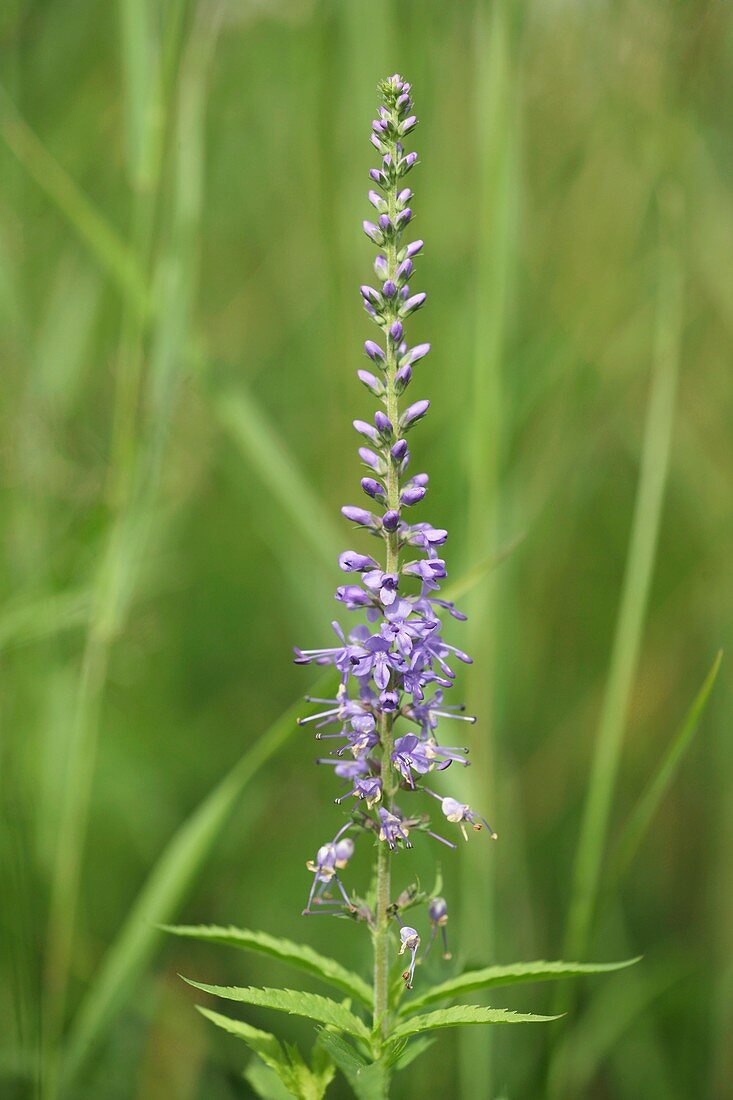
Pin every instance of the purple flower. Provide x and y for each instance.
(430, 572)
(392, 829)
(438, 914)
(411, 755)
(395, 666)
(384, 585)
(329, 858)
(353, 597)
(351, 562)
(460, 813)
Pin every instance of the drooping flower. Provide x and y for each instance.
(409, 941)
(438, 914)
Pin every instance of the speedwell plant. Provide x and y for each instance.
(383, 725)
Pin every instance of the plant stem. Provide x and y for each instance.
(381, 933)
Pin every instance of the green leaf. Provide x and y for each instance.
(539, 971)
(401, 1057)
(657, 787)
(310, 1005)
(369, 1081)
(305, 958)
(464, 1014)
(322, 1068)
(265, 1083)
(265, 1045)
(292, 1071)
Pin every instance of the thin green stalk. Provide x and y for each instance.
(636, 586)
(497, 170)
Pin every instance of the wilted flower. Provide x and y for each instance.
(409, 941)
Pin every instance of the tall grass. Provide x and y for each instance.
(496, 143)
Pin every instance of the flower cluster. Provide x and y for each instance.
(396, 665)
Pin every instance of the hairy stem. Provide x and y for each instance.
(381, 933)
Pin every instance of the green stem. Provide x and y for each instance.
(381, 921)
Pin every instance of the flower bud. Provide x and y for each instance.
(414, 413)
(372, 488)
(373, 384)
(383, 424)
(412, 495)
(374, 351)
(373, 232)
(352, 562)
(358, 515)
(413, 304)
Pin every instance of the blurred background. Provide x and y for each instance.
(183, 186)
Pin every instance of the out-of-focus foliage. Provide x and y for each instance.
(180, 253)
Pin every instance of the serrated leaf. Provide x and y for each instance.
(292, 1071)
(464, 1014)
(292, 1001)
(305, 958)
(265, 1045)
(402, 1058)
(539, 971)
(369, 1081)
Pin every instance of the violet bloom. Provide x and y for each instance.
(396, 665)
(438, 914)
(329, 858)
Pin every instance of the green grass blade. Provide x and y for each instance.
(476, 574)
(296, 1003)
(38, 617)
(635, 593)
(264, 450)
(651, 798)
(102, 240)
(611, 1011)
(299, 955)
(165, 890)
(497, 97)
(460, 1016)
(519, 973)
